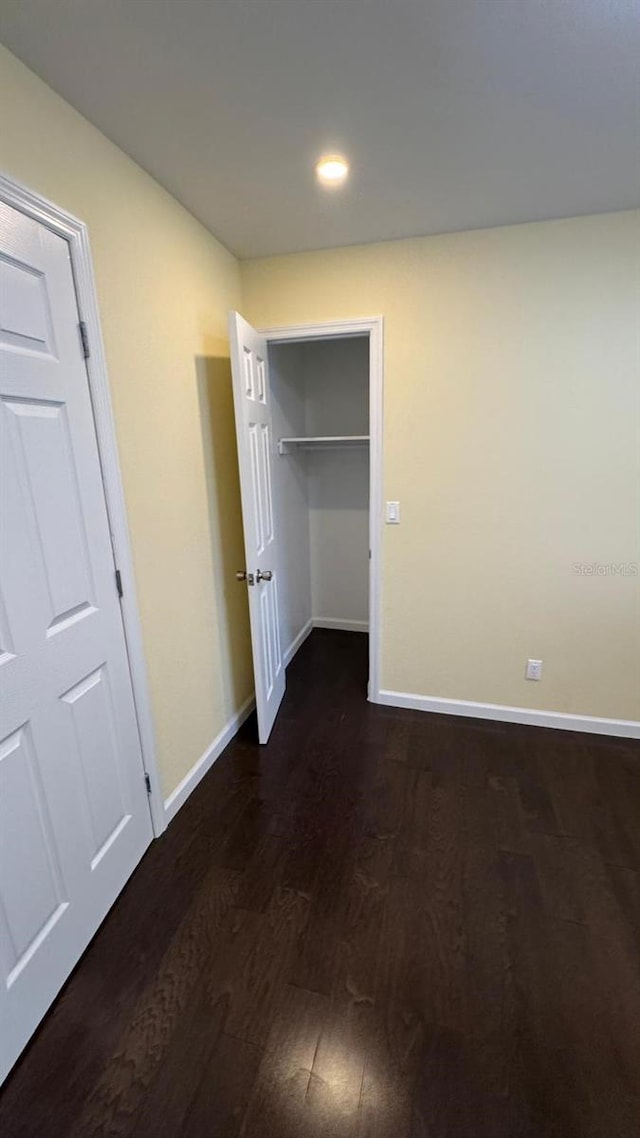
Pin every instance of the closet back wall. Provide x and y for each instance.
(336, 374)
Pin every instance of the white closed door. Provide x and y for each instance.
(74, 813)
(251, 398)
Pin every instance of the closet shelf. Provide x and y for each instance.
(318, 441)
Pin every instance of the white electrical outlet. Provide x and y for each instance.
(534, 670)
(393, 513)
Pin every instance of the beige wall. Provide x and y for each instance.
(164, 288)
(512, 412)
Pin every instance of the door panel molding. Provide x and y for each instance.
(75, 233)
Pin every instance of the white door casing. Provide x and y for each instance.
(251, 397)
(373, 328)
(74, 816)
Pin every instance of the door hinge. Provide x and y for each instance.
(84, 339)
(119, 583)
(147, 782)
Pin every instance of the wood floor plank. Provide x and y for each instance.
(626, 887)
(226, 1085)
(535, 797)
(177, 1079)
(267, 966)
(278, 1107)
(211, 926)
(361, 921)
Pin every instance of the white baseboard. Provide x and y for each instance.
(297, 642)
(341, 625)
(179, 796)
(625, 728)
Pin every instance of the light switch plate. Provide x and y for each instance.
(393, 513)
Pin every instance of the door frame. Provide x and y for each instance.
(373, 328)
(75, 233)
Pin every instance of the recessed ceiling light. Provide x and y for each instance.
(332, 170)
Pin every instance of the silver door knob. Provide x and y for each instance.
(266, 576)
(241, 575)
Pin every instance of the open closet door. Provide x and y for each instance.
(252, 404)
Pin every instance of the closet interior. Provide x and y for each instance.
(320, 422)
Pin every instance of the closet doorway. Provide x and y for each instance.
(308, 404)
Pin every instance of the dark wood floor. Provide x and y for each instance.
(384, 924)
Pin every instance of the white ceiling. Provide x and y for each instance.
(455, 114)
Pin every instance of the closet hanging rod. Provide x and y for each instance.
(320, 441)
